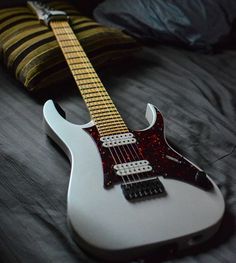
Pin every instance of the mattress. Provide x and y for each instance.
(196, 94)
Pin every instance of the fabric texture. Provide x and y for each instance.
(195, 23)
(31, 51)
(196, 95)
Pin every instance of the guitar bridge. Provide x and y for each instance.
(141, 189)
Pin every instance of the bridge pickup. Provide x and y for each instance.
(138, 190)
(117, 140)
(124, 169)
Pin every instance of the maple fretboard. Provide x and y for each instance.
(101, 107)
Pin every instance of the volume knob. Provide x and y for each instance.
(202, 180)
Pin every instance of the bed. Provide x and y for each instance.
(196, 94)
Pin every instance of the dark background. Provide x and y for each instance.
(85, 6)
(196, 94)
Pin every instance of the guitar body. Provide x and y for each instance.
(110, 226)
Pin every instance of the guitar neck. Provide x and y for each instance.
(102, 110)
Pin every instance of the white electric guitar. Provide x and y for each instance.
(129, 191)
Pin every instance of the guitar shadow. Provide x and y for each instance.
(224, 234)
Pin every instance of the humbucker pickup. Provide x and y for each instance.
(136, 167)
(118, 140)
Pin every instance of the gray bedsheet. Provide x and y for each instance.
(196, 94)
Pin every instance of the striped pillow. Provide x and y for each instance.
(31, 52)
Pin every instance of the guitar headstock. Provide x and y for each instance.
(46, 14)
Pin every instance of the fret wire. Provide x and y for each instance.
(102, 115)
(73, 51)
(111, 131)
(67, 33)
(76, 63)
(110, 122)
(92, 100)
(91, 86)
(92, 94)
(75, 46)
(60, 27)
(94, 107)
(103, 111)
(79, 68)
(90, 91)
(114, 118)
(83, 79)
(98, 100)
(77, 56)
(97, 119)
(108, 126)
(105, 119)
(95, 99)
(65, 40)
(81, 71)
(84, 73)
(85, 85)
(80, 82)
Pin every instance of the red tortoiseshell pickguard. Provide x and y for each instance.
(152, 146)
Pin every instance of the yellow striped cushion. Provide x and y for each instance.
(30, 50)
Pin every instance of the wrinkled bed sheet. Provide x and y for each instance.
(196, 94)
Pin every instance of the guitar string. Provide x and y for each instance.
(89, 72)
(105, 103)
(124, 148)
(72, 42)
(95, 78)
